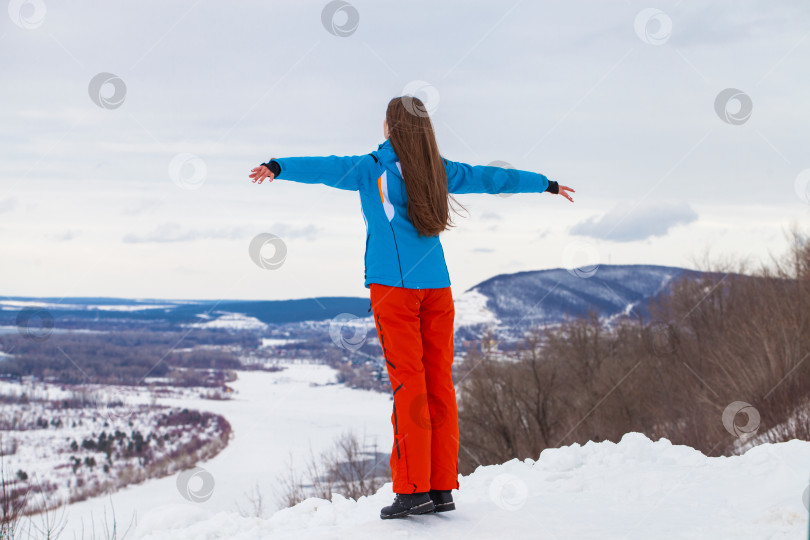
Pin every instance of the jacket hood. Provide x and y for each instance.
(386, 152)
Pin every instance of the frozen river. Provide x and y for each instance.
(273, 416)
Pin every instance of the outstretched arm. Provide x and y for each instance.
(464, 178)
(348, 172)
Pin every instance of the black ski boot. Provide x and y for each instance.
(408, 505)
(442, 500)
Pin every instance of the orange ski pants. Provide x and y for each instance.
(415, 328)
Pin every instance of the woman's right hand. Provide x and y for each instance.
(564, 192)
(260, 173)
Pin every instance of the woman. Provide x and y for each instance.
(405, 188)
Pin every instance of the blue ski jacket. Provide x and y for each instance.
(395, 253)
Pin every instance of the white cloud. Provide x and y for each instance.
(66, 236)
(7, 205)
(144, 206)
(174, 232)
(628, 222)
(565, 89)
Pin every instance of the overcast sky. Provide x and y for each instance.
(135, 183)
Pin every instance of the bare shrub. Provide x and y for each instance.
(255, 499)
(16, 497)
(730, 335)
(110, 528)
(291, 486)
(12, 503)
(506, 407)
(351, 468)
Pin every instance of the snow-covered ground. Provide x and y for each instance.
(21, 304)
(471, 308)
(232, 321)
(278, 342)
(73, 451)
(273, 416)
(634, 489)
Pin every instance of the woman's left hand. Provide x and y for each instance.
(260, 173)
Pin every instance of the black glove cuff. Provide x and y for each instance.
(274, 167)
(553, 187)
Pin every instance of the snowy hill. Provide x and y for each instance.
(548, 296)
(535, 296)
(636, 488)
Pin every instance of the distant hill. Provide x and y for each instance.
(181, 311)
(506, 300)
(549, 296)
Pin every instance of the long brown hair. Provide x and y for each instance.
(414, 142)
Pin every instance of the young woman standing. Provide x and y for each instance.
(405, 188)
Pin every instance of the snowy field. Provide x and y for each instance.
(231, 321)
(272, 416)
(636, 489)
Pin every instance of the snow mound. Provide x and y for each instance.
(636, 488)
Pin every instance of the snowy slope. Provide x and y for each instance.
(634, 489)
(471, 309)
(548, 296)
